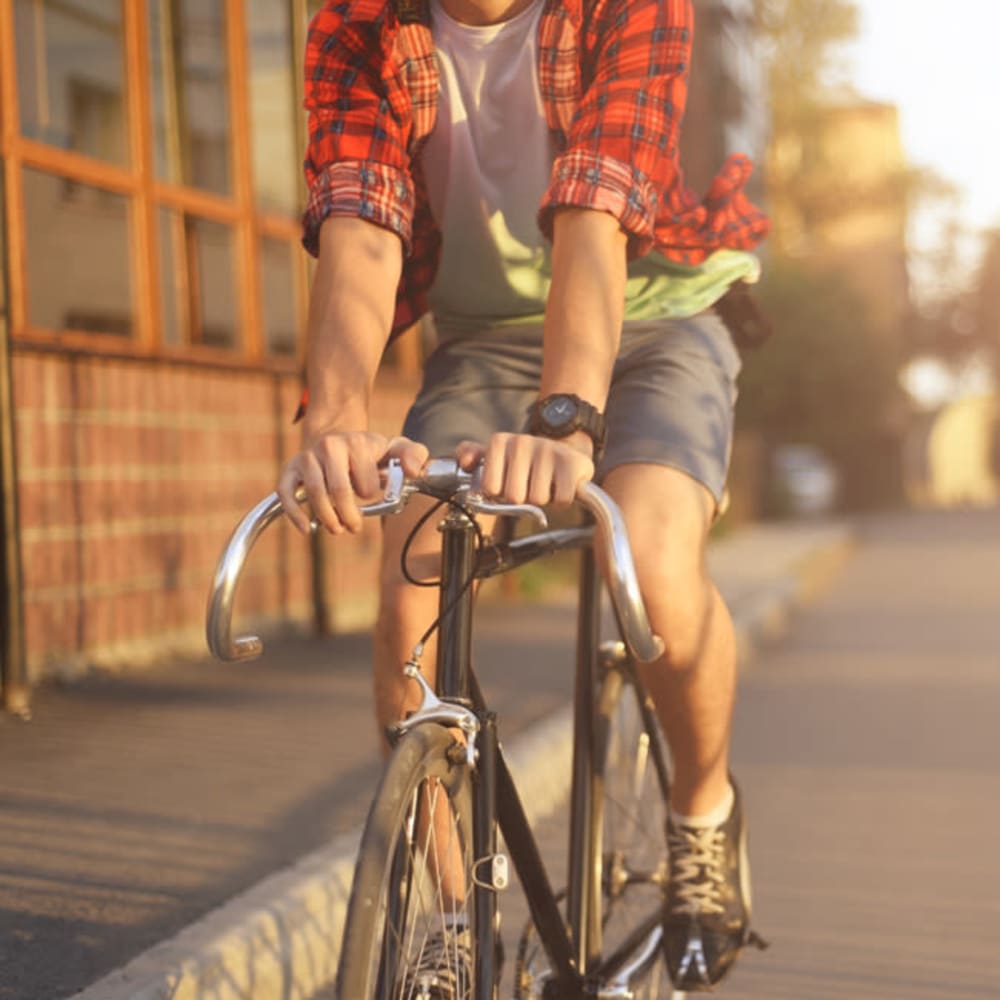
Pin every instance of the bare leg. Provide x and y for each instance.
(693, 684)
(406, 611)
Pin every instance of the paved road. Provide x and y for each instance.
(865, 741)
(133, 808)
(132, 805)
(867, 745)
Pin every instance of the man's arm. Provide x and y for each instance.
(583, 320)
(586, 304)
(350, 315)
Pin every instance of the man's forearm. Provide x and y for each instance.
(586, 304)
(350, 316)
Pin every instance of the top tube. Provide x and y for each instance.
(443, 479)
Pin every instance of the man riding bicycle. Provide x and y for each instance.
(512, 167)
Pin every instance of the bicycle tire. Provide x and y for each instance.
(631, 781)
(397, 902)
(630, 785)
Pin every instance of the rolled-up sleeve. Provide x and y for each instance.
(622, 145)
(357, 162)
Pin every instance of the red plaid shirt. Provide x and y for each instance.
(613, 77)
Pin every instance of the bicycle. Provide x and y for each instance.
(423, 917)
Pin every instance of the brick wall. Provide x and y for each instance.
(131, 476)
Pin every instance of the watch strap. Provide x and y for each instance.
(588, 418)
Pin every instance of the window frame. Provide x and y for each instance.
(136, 180)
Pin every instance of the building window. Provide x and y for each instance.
(77, 247)
(4, 306)
(212, 283)
(277, 281)
(70, 75)
(191, 117)
(272, 92)
(154, 167)
(198, 275)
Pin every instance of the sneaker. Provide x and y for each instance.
(707, 917)
(443, 968)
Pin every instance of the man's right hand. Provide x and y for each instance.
(337, 470)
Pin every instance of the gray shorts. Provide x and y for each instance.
(671, 401)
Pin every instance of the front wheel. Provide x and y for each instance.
(410, 933)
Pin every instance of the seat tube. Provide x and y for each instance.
(584, 875)
(455, 636)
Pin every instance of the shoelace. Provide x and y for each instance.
(697, 862)
(434, 975)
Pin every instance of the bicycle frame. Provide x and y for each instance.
(574, 953)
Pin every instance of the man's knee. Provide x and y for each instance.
(680, 600)
(668, 516)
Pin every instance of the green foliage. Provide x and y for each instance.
(802, 41)
(825, 378)
(987, 301)
(829, 376)
(803, 38)
(548, 577)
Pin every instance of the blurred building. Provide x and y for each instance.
(727, 103)
(838, 197)
(952, 457)
(728, 112)
(838, 192)
(153, 295)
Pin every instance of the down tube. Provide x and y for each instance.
(484, 839)
(584, 875)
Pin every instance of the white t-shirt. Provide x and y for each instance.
(487, 164)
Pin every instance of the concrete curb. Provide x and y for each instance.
(281, 937)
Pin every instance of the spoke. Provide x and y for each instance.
(634, 843)
(435, 849)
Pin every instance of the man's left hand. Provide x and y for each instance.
(522, 468)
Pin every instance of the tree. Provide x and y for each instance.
(802, 38)
(825, 379)
(986, 298)
(833, 291)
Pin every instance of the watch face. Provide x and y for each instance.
(559, 411)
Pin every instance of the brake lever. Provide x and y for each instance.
(394, 495)
(477, 503)
(439, 476)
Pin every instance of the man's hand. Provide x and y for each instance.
(338, 469)
(522, 468)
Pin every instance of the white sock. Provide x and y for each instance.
(716, 817)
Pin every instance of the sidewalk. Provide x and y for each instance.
(134, 807)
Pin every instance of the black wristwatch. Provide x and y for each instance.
(561, 414)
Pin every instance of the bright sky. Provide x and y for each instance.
(938, 63)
